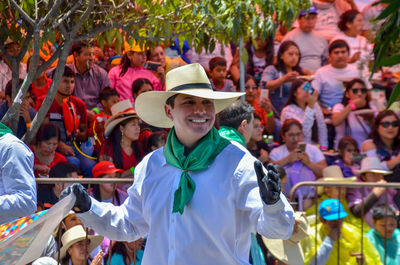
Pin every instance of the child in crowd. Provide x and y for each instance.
(156, 140)
(385, 236)
(361, 201)
(347, 149)
(218, 73)
(108, 97)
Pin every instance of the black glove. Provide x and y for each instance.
(270, 185)
(83, 201)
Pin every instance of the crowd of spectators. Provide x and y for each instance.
(314, 115)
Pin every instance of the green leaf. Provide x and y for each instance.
(395, 95)
(244, 56)
(392, 8)
(390, 61)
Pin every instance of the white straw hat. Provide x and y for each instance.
(76, 234)
(120, 111)
(372, 164)
(289, 251)
(190, 80)
(334, 174)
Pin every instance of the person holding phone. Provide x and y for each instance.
(303, 106)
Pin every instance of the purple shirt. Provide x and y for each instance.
(89, 85)
(354, 197)
(123, 84)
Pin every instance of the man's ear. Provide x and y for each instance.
(168, 110)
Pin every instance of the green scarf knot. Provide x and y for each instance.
(232, 135)
(198, 159)
(4, 130)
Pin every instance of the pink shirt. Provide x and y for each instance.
(123, 84)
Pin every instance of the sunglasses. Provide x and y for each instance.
(250, 87)
(356, 90)
(386, 124)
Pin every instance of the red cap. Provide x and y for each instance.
(104, 167)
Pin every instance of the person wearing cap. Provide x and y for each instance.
(106, 192)
(121, 146)
(199, 197)
(313, 47)
(130, 69)
(333, 232)
(361, 201)
(76, 246)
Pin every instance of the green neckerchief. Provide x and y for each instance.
(198, 159)
(232, 135)
(4, 129)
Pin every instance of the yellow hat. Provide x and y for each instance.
(135, 47)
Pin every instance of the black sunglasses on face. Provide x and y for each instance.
(356, 90)
(386, 124)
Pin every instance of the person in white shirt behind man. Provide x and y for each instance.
(193, 205)
(313, 47)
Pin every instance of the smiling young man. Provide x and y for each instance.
(199, 197)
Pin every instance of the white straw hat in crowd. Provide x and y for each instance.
(289, 251)
(334, 174)
(190, 80)
(120, 111)
(76, 234)
(372, 164)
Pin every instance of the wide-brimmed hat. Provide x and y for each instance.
(331, 209)
(334, 174)
(76, 234)
(120, 111)
(105, 167)
(190, 80)
(372, 164)
(289, 251)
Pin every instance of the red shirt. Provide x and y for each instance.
(57, 159)
(127, 161)
(260, 112)
(41, 92)
(98, 119)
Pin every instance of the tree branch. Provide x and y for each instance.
(25, 46)
(66, 15)
(85, 15)
(48, 63)
(23, 13)
(51, 13)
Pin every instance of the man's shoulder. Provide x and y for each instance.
(98, 71)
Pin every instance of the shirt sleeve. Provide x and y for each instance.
(322, 129)
(16, 174)
(112, 76)
(324, 252)
(269, 73)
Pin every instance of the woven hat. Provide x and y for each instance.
(289, 251)
(120, 111)
(105, 167)
(190, 80)
(372, 164)
(334, 174)
(76, 234)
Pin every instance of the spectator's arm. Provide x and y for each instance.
(368, 202)
(339, 117)
(324, 252)
(235, 72)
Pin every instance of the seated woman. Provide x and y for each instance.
(361, 201)
(256, 145)
(347, 148)
(126, 253)
(121, 146)
(262, 106)
(277, 78)
(302, 105)
(76, 246)
(47, 140)
(344, 115)
(302, 162)
(130, 69)
(385, 143)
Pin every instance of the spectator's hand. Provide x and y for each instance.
(65, 149)
(98, 258)
(264, 157)
(2, 96)
(24, 111)
(265, 103)
(312, 99)
(293, 156)
(359, 257)
(83, 201)
(304, 158)
(335, 233)
(41, 168)
(270, 184)
(291, 76)
(327, 111)
(355, 57)
(359, 102)
(379, 191)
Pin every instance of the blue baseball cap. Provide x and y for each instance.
(312, 10)
(331, 209)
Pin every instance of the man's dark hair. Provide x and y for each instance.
(77, 47)
(216, 61)
(107, 92)
(171, 100)
(62, 169)
(233, 115)
(138, 83)
(338, 44)
(281, 171)
(381, 211)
